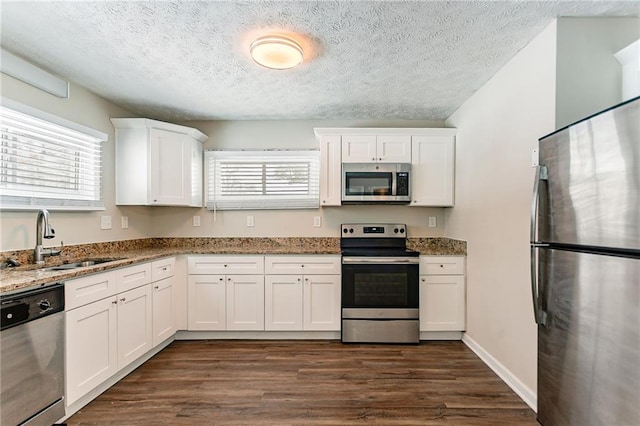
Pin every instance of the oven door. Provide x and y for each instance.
(380, 283)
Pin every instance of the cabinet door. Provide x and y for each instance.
(91, 347)
(283, 302)
(358, 148)
(432, 170)
(330, 170)
(206, 305)
(393, 149)
(442, 303)
(196, 170)
(321, 305)
(169, 168)
(245, 302)
(163, 323)
(135, 335)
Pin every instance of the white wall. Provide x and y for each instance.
(291, 134)
(83, 107)
(589, 77)
(497, 129)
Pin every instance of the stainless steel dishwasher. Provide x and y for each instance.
(32, 356)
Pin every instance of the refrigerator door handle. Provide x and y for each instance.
(541, 174)
(539, 316)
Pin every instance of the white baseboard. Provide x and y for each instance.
(527, 395)
(258, 335)
(441, 335)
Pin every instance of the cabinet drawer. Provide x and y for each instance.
(133, 276)
(295, 264)
(441, 265)
(81, 291)
(163, 268)
(226, 264)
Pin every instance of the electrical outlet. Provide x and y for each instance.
(251, 221)
(432, 222)
(317, 221)
(196, 220)
(105, 222)
(124, 222)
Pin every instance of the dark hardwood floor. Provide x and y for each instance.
(309, 383)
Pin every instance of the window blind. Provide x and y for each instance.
(238, 180)
(45, 164)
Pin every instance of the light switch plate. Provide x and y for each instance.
(105, 222)
(317, 221)
(196, 220)
(251, 221)
(432, 222)
(124, 221)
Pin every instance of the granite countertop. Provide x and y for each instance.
(125, 253)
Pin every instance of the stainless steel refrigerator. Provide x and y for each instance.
(585, 257)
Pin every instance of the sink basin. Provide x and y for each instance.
(79, 264)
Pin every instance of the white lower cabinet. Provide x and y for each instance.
(245, 302)
(442, 293)
(225, 293)
(114, 318)
(163, 301)
(296, 301)
(206, 301)
(283, 302)
(135, 336)
(321, 302)
(91, 347)
(163, 298)
(226, 302)
(272, 293)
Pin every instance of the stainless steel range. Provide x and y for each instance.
(380, 285)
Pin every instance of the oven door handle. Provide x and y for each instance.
(367, 260)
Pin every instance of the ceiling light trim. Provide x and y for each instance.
(276, 52)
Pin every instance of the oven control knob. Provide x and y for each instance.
(351, 230)
(44, 305)
(396, 230)
(402, 230)
(345, 230)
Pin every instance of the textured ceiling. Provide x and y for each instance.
(365, 59)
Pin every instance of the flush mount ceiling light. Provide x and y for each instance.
(276, 52)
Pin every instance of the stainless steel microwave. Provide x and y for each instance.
(368, 183)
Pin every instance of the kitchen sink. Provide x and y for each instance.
(79, 264)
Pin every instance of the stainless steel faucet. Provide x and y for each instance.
(40, 253)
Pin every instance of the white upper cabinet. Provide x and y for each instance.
(330, 170)
(433, 170)
(431, 152)
(157, 163)
(376, 148)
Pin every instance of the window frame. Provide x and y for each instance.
(14, 201)
(273, 159)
